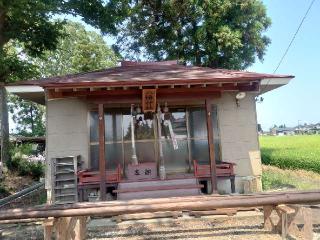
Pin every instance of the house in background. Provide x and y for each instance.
(314, 128)
(150, 129)
(281, 131)
(308, 129)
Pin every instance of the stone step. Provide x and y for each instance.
(140, 190)
(124, 185)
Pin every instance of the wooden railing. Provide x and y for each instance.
(223, 169)
(87, 177)
(69, 221)
(25, 194)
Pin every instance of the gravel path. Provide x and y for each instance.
(244, 225)
(249, 227)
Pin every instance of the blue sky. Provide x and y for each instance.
(300, 99)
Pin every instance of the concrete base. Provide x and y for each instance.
(240, 184)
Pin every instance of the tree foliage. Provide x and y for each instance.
(29, 117)
(29, 22)
(77, 51)
(215, 33)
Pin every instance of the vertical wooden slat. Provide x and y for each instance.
(81, 228)
(48, 228)
(102, 162)
(211, 147)
(188, 140)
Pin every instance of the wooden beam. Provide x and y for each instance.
(139, 216)
(81, 228)
(47, 228)
(288, 219)
(196, 91)
(163, 92)
(65, 228)
(203, 203)
(286, 209)
(148, 82)
(226, 211)
(162, 98)
(211, 147)
(216, 197)
(102, 160)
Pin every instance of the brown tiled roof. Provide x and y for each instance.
(150, 73)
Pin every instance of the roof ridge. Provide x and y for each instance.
(127, 63)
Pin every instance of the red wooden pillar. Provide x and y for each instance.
(211, 147)
(102, 162)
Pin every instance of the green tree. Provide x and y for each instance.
(215, 33)
(29, 117)
(29, 23)
(77, 51)
(12, 68)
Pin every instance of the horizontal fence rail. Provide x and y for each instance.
(19, 195)
(115, 208)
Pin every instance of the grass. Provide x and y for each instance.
(291, 152)
(274, 178)
(3, 191)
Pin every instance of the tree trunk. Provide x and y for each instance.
(4, 138)
(31, 119)
(196, 44)
(4, 127)
(2, 19)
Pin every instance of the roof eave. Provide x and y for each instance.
(149, 83)
(269, 84)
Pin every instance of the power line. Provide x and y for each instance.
(294, 36)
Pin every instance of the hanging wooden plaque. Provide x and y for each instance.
(149, 100)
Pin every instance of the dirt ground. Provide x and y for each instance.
(243, 225)
(202, 229)
(13, 183)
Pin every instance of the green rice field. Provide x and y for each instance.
(291, 152)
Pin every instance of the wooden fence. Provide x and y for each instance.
(69, 221)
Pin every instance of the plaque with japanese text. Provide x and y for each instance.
(149, 100)
(141, 171)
